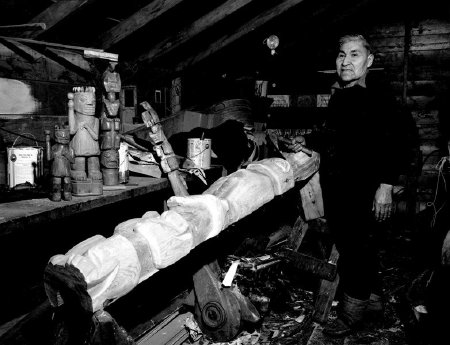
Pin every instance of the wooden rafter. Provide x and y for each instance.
(58, 57)
(142, 17)
(203, 23)
(17, 30)
(50, 44)
(253, 24)
(55, 13)
(30, 64)
(16, 48)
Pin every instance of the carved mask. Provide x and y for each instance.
(62, 135)
(84, 103)
(112, 107)
(110, 159)
(111, 81)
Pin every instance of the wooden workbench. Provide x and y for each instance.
(31, 231)
(18, 215)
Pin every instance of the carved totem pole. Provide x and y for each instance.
(61, 156)
(110, 126)
(84, 127)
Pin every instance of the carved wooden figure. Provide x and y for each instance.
(139, 247)
(84, 127)
(110, 126)
(61, 156)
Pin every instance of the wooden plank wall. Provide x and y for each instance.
(426, 86)
(427, 80)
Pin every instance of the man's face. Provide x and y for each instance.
(353, 61)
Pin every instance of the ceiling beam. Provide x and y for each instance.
(54, 14)
(17, 30)
(73, 65)
(136, 21)
(201, 24)
(252, 25)
(28, 64)
(16, 48)
(50, 44)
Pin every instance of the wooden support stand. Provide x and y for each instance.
(324, 269)
(327, 291)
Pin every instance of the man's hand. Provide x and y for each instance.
(382, 203)
(293, 144)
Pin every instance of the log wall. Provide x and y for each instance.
(426, 85)
(424, 91)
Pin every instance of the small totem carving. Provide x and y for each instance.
(61, 156)
(84, 128)
(110, 126)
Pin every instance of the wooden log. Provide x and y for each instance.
(244, 191)
(140, 243)
(139, 247)
(205, 214)
(303, 165)
(168, 236)
(278, 170)
(111, 268)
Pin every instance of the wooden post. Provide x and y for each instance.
(311, 195)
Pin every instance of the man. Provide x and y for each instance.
(361, 161)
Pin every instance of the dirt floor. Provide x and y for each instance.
(285, 297)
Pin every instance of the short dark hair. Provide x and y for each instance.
(355, 37)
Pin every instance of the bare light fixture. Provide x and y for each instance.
(272, 42)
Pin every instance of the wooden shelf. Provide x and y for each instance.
(18, 215)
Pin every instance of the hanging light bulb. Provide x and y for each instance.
(272, 42)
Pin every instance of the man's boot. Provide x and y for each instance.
(375, 308)
(350, 316)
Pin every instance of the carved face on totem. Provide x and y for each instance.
(62, 135)
(111, 105)
(84, 102)
(111, 81)
(110, 159)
